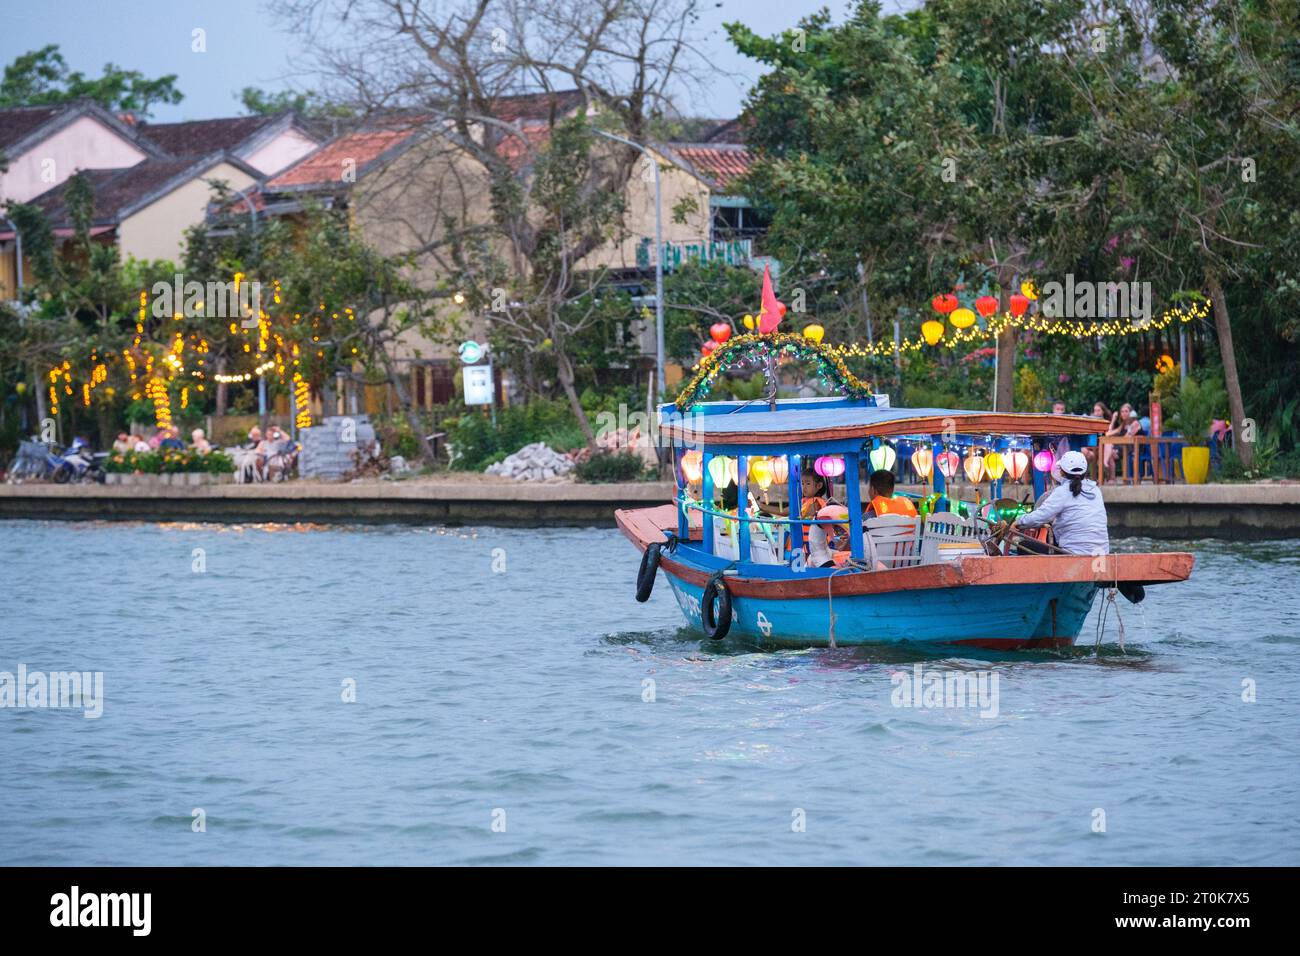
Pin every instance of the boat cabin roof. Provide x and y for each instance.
(798, 422)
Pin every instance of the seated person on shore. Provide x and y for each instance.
(170, 437)
(200, 441)
(124, 443)
(881, 488)
(1075, 511)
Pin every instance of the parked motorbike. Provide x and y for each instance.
(41, 462)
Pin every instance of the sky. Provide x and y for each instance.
(246, 46)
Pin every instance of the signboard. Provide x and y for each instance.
(471, 352)
(478, 384)
(734, 252)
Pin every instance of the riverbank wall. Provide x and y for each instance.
(1231, 512)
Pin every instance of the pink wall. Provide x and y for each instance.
(84, 144)
(289, 147)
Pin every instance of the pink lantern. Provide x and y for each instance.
(829, 466)
(780, 470)
(1044, 460)
(948, 462)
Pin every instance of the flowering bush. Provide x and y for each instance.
(169, 461)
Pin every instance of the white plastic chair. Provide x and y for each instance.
(893, 541)
(948, 537)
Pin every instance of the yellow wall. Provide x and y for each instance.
(158, 230)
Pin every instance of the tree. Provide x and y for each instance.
(510, 230)
(41, 77)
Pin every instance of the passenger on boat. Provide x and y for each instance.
(1075, 510)
(883, 502)
(824, 541)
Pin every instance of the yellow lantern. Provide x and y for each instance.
(932, 331)
(780, 470)
(974, 468)
(814, 333)
(923, 462)
(693, 466)
(994, 466)
(1028, 290)
(749, 322)
(962, 318)
(760, 472)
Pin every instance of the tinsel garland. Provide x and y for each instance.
(753, 348)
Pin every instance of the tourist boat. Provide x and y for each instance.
(931, 581)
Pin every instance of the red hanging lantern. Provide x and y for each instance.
(707, 348)
(944, 303)
(986, 305)
(1019, 303)
(720, 332)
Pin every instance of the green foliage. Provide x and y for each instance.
(1196, 406)
(309, 104)
(41, 77)
(170, 461)
(606, 468)
(476, 444)
(1031, 396)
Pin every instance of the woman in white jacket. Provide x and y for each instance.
(1075, 511)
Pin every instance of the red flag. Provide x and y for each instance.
(773, 310)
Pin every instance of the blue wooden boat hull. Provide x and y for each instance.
(1001, 617)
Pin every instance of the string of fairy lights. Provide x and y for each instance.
(183, 365)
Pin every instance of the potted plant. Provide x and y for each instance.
(1197, 404)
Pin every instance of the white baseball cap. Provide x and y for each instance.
(1073, 463)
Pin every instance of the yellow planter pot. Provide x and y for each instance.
(1196, 465)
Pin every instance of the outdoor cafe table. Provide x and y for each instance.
(1161, 453)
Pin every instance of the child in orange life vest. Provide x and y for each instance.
(883, 502)
(823, 540)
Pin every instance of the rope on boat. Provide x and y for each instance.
(849, 565)
(1107, 604)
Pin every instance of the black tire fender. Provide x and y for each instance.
(715, 590)
(645, 578)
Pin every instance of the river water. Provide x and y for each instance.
(514, 704)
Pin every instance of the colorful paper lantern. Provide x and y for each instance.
(829, 466)
(927, 504)
(1019, 304)
(962, 318)
(994, 465)
(1017, 464)
(1028, 289)
(760, 472)
(780, 470)
(974, 468)
(944, 303)
(948, 462)
(707, 348)
(720, 332)
(932, 331)
(923, 462)
(883, 458)
(749, 322)
(1044, 460)
(986, 305)
(723, 471)
(814, 333)
(693, 466)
